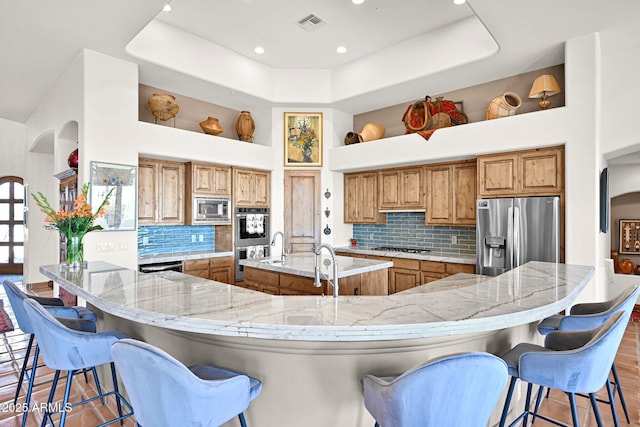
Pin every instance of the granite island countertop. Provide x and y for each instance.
(302, 264)
(459, 304)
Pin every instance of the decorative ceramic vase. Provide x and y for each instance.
(72, 160)
(306, 154)
(352, 138)
(626, 266)
(74, 255)
(163, 106)
(372, 131)
(503, 106)
(245, 126)
(211, 126)
(636, 270)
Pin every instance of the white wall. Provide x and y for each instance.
(12, 148)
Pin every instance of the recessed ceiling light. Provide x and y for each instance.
(341, 49)
(259, 50)
(459, 1)
(357, 1)
(166, 8)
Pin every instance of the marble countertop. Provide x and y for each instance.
(181, 256)
(301, 264)
(459, 259)
(458, 304)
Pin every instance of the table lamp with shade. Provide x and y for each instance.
(543, 87)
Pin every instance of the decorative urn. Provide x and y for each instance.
(163, 106)
(211, 126)
(245, 126)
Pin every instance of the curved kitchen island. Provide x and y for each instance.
(311, 351)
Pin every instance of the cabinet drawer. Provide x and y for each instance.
(432, 266)
(460, 268)
(383, 258)
(196, 264)
(409, 264)
(296, 285)
(221, 262)
(199, 273)
(261, 276)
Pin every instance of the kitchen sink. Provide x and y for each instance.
(272, 261)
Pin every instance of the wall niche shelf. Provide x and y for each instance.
(191, 112)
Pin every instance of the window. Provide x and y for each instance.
(11, 225)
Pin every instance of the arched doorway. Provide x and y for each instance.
(11, 225)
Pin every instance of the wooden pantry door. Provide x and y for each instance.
(302, 209)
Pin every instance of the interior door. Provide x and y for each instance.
(302, 210)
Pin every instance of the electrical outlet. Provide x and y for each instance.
(454, 240)
(145, 240)
(200, 237)
(193, 238)
(371, 236)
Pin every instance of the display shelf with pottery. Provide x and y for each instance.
(194, 115)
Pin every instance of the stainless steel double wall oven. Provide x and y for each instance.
(251, 236)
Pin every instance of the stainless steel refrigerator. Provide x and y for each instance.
(512, 232)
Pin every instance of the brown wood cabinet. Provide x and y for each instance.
(401, 188)
(219, 269)
(451, 193)
(208, 179)
(160, 192)
(521, 173)
(408, 273)
(370, 283)
(361, 199)
(252, 188)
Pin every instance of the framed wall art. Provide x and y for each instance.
(303, 139)
(120, 214)
(630, 236)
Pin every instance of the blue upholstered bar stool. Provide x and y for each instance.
(165, 393)
(65, 349)
(589, 316)
(579, 363)
(79, 318)
(458, 390)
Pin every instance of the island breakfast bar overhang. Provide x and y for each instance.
(311, 352)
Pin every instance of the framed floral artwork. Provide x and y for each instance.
(303, 139)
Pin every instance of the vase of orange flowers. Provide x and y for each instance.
(73, 225)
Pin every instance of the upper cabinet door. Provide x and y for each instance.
(542, 171)
(171, 187)
(439, 195)
(221, 181)
(147, 192)
(401, 188)
(464, 194)
(498, 175)
(252, 188)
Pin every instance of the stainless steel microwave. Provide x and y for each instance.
(211, 210)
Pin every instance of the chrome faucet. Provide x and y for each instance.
(283, 254)
(316, 268)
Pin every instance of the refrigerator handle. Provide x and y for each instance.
(509, 245)
(516, 237)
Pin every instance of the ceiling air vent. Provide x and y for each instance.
(311, 23)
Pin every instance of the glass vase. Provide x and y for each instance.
(75, 259)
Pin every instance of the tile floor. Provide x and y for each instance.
(94, 413)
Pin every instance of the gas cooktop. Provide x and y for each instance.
(407, 250)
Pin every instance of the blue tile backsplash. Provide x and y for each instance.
(408, 230)
(168, 239)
